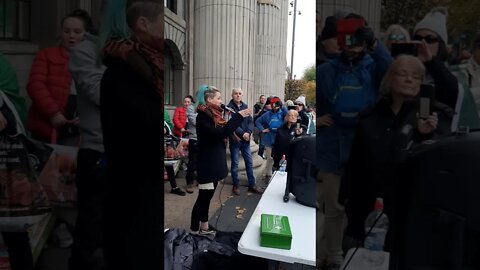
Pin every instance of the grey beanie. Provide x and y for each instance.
(435, 21)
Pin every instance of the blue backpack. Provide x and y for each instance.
(353, 94)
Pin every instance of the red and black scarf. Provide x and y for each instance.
(143, 58)
(215, 112)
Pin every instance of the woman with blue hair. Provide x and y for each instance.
(131, 104)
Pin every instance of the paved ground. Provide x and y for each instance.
(179, 208)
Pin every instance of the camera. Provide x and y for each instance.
(346, 29)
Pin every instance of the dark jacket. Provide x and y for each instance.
(305, 119)
(334, 142)
(212, 153)
(282, 142)
(378, 150)
(131, 116)
(247, 123)
(446, 84)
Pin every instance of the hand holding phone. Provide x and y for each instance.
(426, 100)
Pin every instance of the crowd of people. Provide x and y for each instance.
(99, 91)
(368, 100)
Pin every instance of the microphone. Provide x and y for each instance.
(227, 108)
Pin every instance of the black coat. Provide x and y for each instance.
(446, 84)
(305, 119)
(372, 169)
(131, 116)
(282, 142)
(211, 140)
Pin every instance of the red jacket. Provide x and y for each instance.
(49, 88)
(179, 121)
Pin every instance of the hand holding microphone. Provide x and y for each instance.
(244, 113)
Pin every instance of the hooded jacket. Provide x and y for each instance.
(87, 75)
(334, 142)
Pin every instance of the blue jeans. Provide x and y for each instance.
(244, 147)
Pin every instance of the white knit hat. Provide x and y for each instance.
(301, 99)
(435, 21)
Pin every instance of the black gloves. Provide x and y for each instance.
(366, 34)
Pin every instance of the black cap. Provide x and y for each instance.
(330, 29)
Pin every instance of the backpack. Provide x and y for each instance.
(353, 94)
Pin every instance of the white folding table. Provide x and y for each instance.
(302, 223)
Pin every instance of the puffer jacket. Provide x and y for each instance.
(49, 88)
(179, 121)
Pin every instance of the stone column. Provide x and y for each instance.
(224, 46)
(270, 47)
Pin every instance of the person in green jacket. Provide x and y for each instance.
(9, 85)
(167, 120)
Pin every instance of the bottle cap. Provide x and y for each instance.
(379, 204)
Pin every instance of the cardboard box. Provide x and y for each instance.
(275, 232)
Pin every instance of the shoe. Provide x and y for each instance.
(178, 191)
(210, 231)
(235, 190)
(189, 188)
(255, 190)
(63, 236)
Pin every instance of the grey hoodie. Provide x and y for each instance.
(87, 74)
(192, 121)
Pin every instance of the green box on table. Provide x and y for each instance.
(275, 232)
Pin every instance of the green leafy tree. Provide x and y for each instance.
(309, 73)
(462, 18)
(294, 88)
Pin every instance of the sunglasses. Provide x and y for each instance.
(399, 37)
(429, 39)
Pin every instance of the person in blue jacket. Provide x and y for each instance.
(268, 124)
(346, 85)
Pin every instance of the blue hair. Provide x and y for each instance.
(114, 22)
(201, 95)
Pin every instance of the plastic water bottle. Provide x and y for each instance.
(375, 240)
(283, 165)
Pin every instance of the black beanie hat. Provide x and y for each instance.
(330, 29)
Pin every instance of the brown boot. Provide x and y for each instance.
(236, 190)
(189, 188)
(255, 190)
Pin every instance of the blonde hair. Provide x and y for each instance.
(403, 59)
(210, 92)
(294, 112)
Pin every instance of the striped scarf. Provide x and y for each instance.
(146, 60)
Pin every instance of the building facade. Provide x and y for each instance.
(227, 44)
(27, 26)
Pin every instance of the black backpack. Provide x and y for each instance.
(301, 171)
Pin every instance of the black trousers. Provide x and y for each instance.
(91, 184)
(19, 251)
(201, 207)
(171, 176)
(192, 160)
(133, 229)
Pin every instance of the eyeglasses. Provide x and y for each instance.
(429, 39)
(414, 76)
(399, 37)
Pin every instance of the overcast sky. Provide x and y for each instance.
(304, 55)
